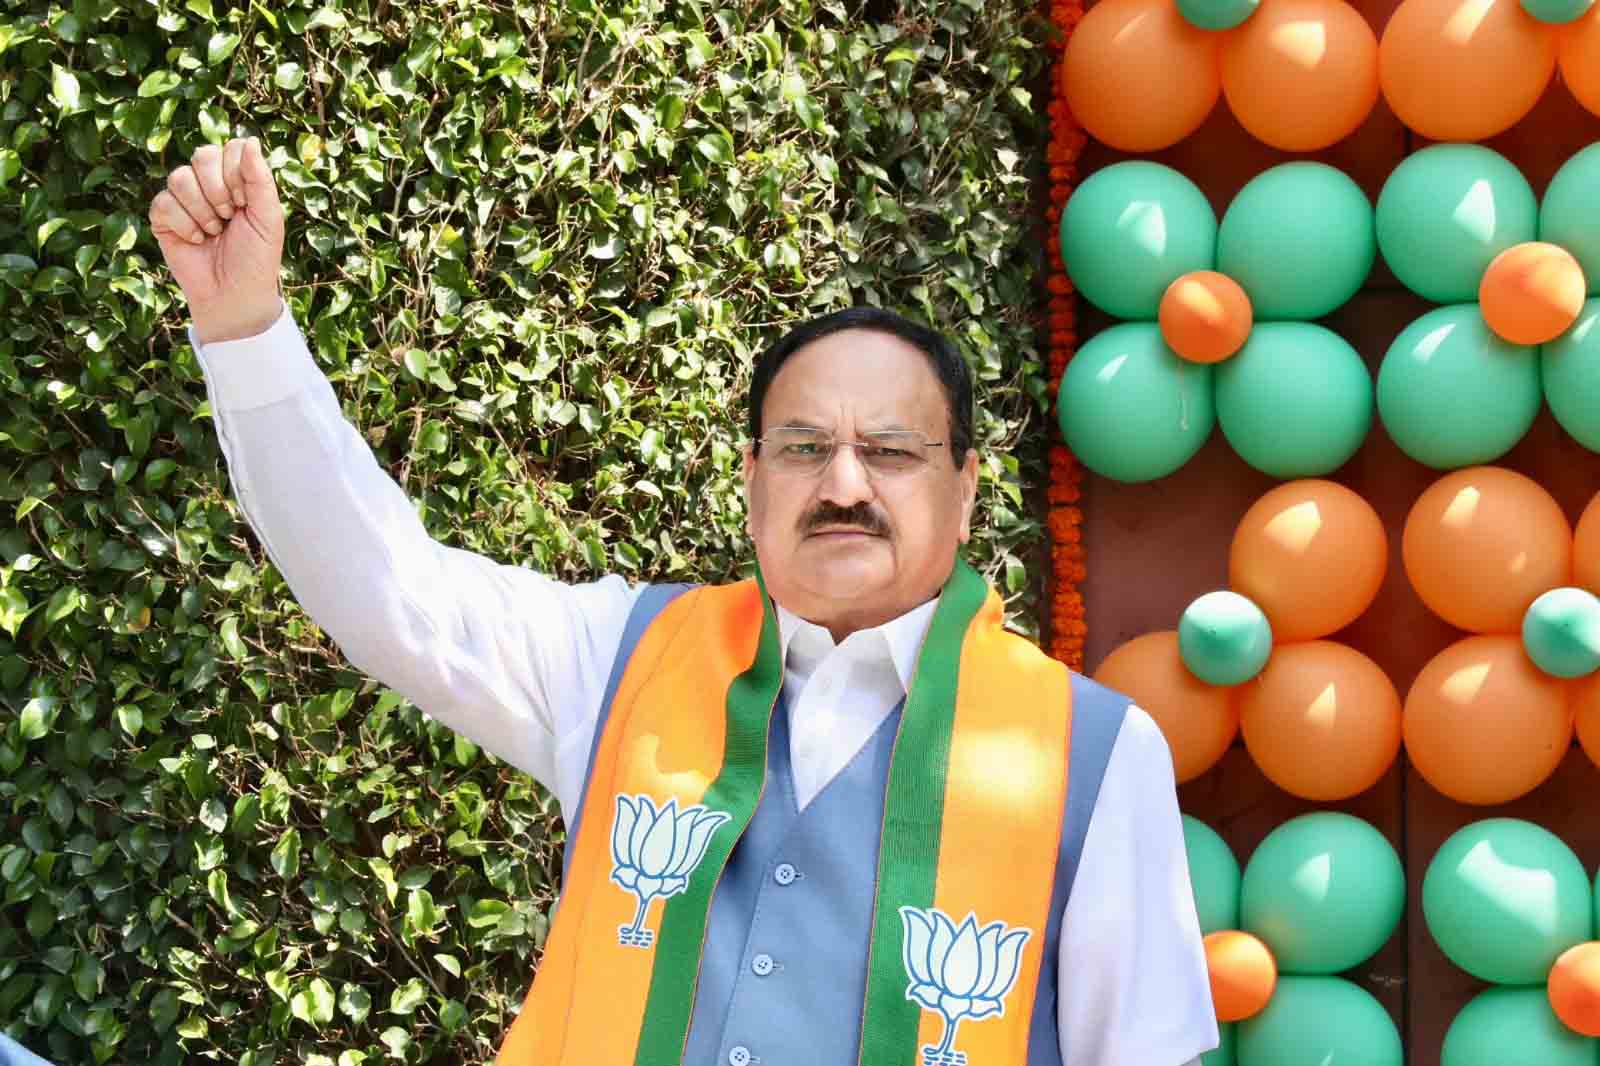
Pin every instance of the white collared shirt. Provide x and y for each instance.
(518, 662)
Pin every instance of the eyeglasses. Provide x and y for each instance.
(884, 452)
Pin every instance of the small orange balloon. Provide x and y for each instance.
(1312, 554)
(1480, 545)
(1437, 54)
(1139, 76)
(1586, 715)
(1198, 720)
(1586, 548)
(1322, 721)
(1532, 292)
(1243, 974)
(1484, 725)
(1574, 988)
(1301, 74)
(1205, 316)
(1579, 55)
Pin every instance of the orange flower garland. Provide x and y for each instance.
(1064, 518)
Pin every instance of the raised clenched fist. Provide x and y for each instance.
(220, 226)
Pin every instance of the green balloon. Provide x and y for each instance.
(1452, 394)
(1217, 14)
(1323, 891)
(1570, 367)
(1130, 409)
(1561, 632)
(1320, 1021)
(1557, 12)
(1446, 212)
(1299, 240)
(1225, 1053)
(1130, 231)
(1504, 898)
(1224, 638)
(1567, 216)
(1504, 1025)
(1295, 401)
(1214, 875)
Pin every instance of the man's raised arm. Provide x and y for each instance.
(513, 660)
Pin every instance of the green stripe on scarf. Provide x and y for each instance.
(737, 790)
(908, 855)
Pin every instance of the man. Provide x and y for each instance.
(835, 816)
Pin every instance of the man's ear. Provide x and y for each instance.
(969, 493)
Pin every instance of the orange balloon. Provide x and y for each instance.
(1243, 974)
(1301, 74)
(1532, 292)
(1322, 721)
(1586, 548)
(1205, 316)
(1483, 724)
(1586, 715)
(1574, 988)
(1578, 49)
(1198, 720)
(1312, 555)
(1437, 55)
(1138, 75)
(1480, 545)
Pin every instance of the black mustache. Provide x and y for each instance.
(859, 516)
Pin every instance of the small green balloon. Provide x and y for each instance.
(1295, 401)
(1320, 1021)
(1570, 368)
(1557, 12)
(1299, 239)
(1504, 898)
(1567, 216)
(1561, 632)
(1226, 1051)
(1323, 891)
(1224, 638)
(1446, 212)
(1452, 394)
(1130, 409)
(1504, 1025)
(1130, 231)
(1214, 875)
(1217, 14)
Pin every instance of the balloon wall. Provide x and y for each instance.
(1327, 497)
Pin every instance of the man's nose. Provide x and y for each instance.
(845, 480)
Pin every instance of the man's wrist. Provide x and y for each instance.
(237, 323)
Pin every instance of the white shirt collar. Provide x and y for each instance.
(805, 644)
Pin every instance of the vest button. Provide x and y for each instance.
(761, 964)
(784, 874)
(739, 1056)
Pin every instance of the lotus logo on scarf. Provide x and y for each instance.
(958, 972)
(655, 850)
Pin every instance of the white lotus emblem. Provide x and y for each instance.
(958, 972)
(655, 850)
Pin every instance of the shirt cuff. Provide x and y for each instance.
(260, 370)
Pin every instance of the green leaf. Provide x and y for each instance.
(355, 1002)
(64, 88)
(289, 77)
(38, 715)
(14, 609)
(286, 855)
(408, 997)
(131, 719)
(159, 83)
(220, 46)
(314, 1004)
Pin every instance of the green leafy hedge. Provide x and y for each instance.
(535, 245)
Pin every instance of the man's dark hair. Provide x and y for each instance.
(947, 364)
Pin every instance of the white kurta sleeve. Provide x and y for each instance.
(514, 660)
(1133, 983)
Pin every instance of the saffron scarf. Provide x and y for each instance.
(968, 847)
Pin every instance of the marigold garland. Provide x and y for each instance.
(1068, 626)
